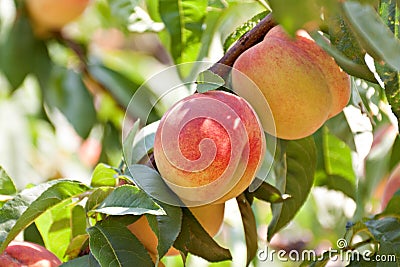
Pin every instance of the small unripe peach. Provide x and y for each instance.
(301, 83)
(208, 147)
(28, 254)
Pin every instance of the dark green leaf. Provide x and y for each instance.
(67, 93)
(374, 36)
(128, 199)
(208, 80)
(7, 186)
(184, 21)
(169, 227)
(250, 227)
(103, 175)
(392, 208)
(112, 244)
(84, 261)
(241, 30)
(194, 239)
(300, 162)
(144, 142)
(22, 210)
(32, 234)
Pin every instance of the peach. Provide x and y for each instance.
(53, 15)
(209, 216)
(301, 83)
(391, 187)
(24, 253)
(208, 147)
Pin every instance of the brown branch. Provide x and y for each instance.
(248, 40)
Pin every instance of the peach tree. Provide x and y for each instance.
(184, 92)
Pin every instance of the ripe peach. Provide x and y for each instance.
(392, 185)
(53, 15)
(208, 147)
(28, 254)
(301, 83)
(209, 216)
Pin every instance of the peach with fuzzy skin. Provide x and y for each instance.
(208, 147)
(301, 83)
(53, 15)
(209, 216)
(392, 185)
(28, 254)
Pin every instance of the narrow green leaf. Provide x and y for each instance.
(374, 35)
(103, 175)
(194, 239)
(184, 22)
(84, 261)
(242, 29)
(128, 143)
(7, 186)
(301, 163)
(112, 244)
(32, 234)
(128, 199)
(339, 126)
(268, 193)
(392, 208)
(21, 211)
(250, 227)
(78, 221)
(67, 93)
(208, 80)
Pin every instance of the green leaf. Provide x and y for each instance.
(286, 13)
(208, 80)
(84, 261)
(250, 227)
(97, 197)
(128, 143)
(32, 234)
(21, 211)
(184, 22)
(242, 29)
(7, 186)
(67, 93)
(194, 239)
(387, 232)
(21, 52)
(128, 199)
(339, 127)
(374, 36)
(334, 168)
(112, 244)
(55, 227)
(301, 162)
(76, 246)
(150, 181)
(169, 227)
(103, 175)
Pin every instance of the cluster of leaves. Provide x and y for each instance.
(96, 215)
